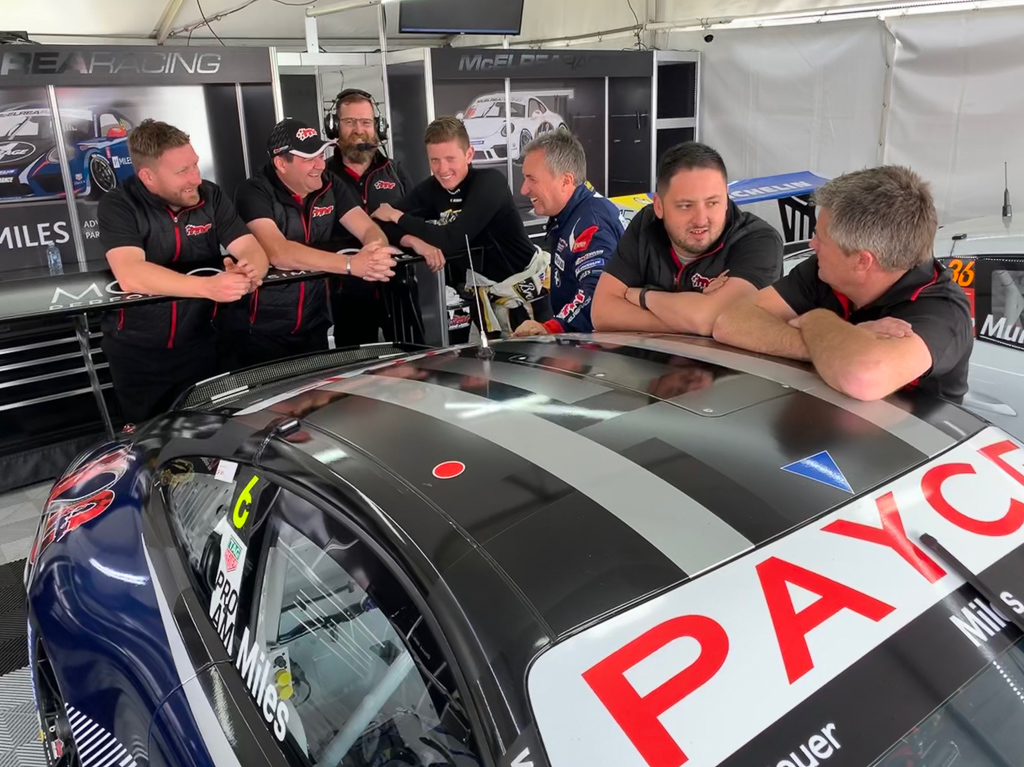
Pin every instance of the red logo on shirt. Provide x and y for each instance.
(580, 243)
(384, 185)
(191, 229)
(699, 281)
(573, 306)
(325, 211)
(305, 133)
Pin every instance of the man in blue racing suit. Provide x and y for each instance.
(583, 231)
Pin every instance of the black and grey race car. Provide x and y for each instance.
(601, 551)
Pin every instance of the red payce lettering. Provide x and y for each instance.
(792, 627)
(891, 534)
(636, 714)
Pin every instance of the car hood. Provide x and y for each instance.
(480, 127)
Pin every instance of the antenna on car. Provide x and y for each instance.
(485, 352)
(1007, 208)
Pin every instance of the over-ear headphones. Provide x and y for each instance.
(332, 128)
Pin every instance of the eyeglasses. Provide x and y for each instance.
(363, 122)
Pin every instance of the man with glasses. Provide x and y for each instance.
(374, 179)
(293, 206)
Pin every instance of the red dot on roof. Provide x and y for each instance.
(449, 469)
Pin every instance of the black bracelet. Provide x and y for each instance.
(643, 298)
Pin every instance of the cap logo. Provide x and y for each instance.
(305, 133)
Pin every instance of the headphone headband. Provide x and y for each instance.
(331, 127)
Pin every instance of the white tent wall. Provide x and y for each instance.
(957, 107)
(813, 97)
(782, 99)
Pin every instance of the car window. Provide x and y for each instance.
(358, 678)
(982, 725)
(214, 506)
(25, 125)
(536, 106)
(995, 289)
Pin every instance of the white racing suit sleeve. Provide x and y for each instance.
(518, 291)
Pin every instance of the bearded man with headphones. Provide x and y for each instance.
(360, 130)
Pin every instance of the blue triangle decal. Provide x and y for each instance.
(820, 467)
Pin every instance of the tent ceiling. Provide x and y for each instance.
(283, 21)
(240, 20)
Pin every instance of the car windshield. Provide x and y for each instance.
(27, 124)
(496, 109)
(981, 725)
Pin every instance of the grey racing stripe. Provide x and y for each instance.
(686, 532)
(917, 433)
(563, 388)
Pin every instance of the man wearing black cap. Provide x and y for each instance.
(293, 206)
(162, 227)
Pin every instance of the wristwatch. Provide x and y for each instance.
(643, 298)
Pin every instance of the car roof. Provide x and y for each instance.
(593, 472)
(993, 235)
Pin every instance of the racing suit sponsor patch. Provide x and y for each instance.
(579, 243)
(384, 185)
(527, 289)
(326, 210)
(194, 229)
(559, 263)
(571, 309)
(588, 266)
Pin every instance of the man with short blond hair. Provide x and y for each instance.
(158, 229)
(872, 309)
(459, 200)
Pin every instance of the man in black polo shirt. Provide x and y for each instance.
(293, 206)
(375, 179)
(873, 310)
(460, 201)
(688, 256)
(162, 225)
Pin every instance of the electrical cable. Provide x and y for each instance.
(200, 6)
(639, 42)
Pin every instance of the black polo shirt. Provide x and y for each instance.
(926, 297)
(182, 240)
(385, 180)
(748, 247)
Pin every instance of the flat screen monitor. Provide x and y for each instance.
(453, 17)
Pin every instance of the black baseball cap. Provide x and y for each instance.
(295, 136)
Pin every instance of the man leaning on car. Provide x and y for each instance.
(583, 229)
(872, 309)
(689, 255)
(163, 223)
(294, 206)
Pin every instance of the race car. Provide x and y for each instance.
(613, 550)
(97, 147)
(489, 133)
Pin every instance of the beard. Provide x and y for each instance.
(351, 153)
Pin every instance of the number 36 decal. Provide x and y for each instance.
(963, 273)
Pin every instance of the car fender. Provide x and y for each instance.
(112, 668)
